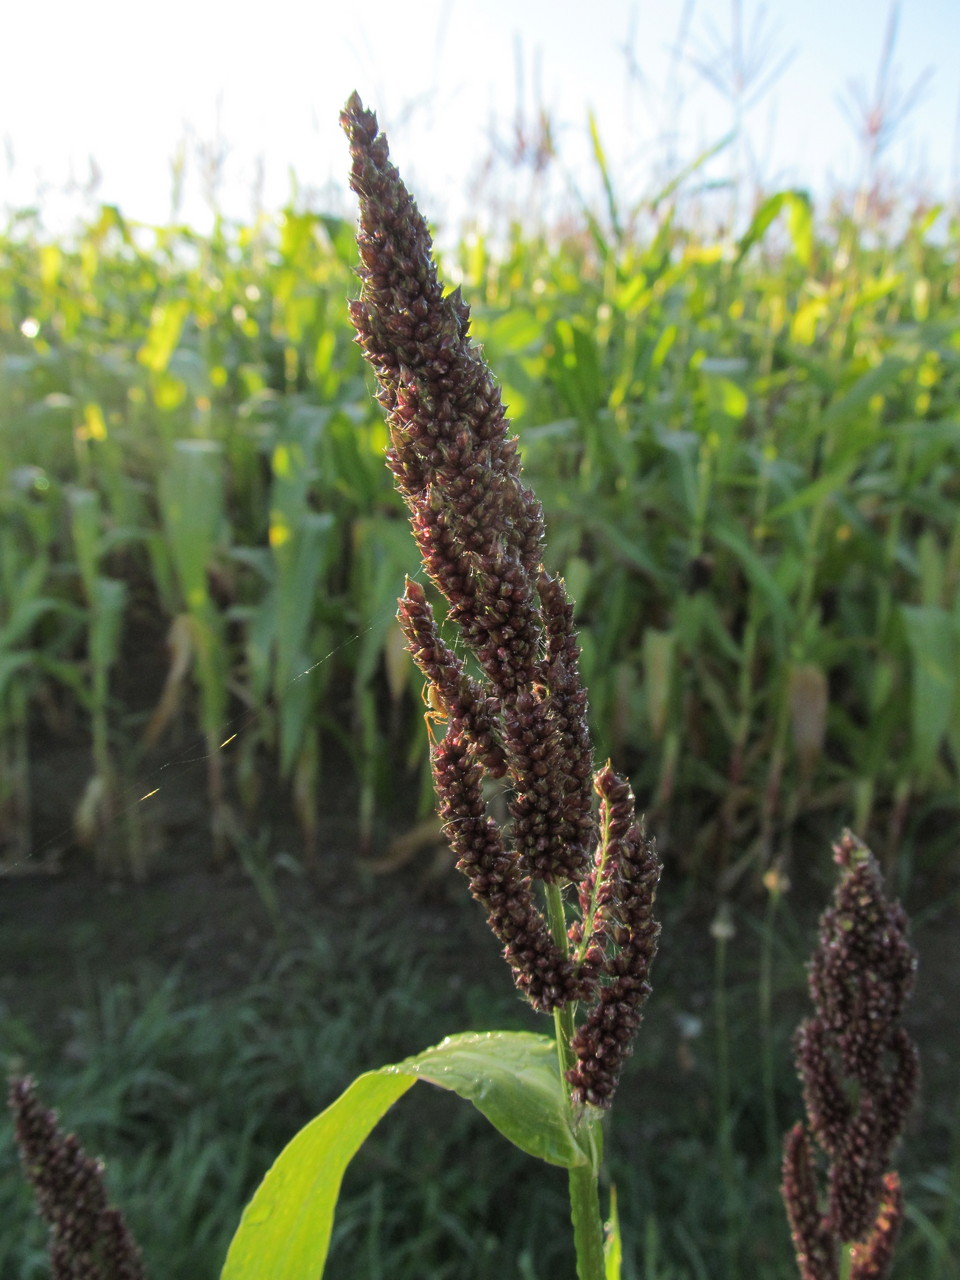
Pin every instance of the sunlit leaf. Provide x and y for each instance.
(511, 1077)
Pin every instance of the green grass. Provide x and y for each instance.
(190, 1097)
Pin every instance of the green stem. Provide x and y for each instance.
(846, 1261)
(582, 1180)
(766, 1025)
(587, 1225)
(724, 1110)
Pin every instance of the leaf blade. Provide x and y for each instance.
(513, 1079)
(290, 1218)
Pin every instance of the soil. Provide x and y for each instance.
(65, 927)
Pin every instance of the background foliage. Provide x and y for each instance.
(747, 453)
(749, 456)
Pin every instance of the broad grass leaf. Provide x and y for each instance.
(342, 234)
(612, 1244)
(935, 650)
(626, 547)
(191, 491)
(698, 162)
(166, 325)
(809, 698)
(659, 648)
(26, 613)
(285, 1229)
(511, 1077)
(797, 204)
(830, 483)
(108, 599)
(11, 665)
(514, 331)
(854, 402)
(600, 156)
(730, 399)
(757, 573)
(85, 527)
(660, 352)
(575, 370)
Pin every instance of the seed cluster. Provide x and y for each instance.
(860, 1073)
(522, 715)
(89, 1239)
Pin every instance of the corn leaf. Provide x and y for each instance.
(935, 650)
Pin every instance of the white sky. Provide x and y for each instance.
(129, 84)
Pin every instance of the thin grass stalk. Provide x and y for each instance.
(723, 930)
(773, 882)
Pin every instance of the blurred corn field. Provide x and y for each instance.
(749, 457)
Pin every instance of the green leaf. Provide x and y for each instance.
(759, 576)
(600, 156)
(511, 1077)
(697, 163)
(85, 525)
(935, 649)
(514, 1080)
(191, 492)
(166, 325)
(825, 487)
(799, 213)
(659, 650)
(514, 331)
(613, 1244)
(625, 546)
(108, 598)
(285, 1229)
(854, 402)
(12, 664)
(25, 616)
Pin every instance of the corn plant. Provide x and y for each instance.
(191, 499)
(28, 608)
(103, 820)
(284, 639)
(746, 451)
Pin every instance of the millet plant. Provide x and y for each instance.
(569, 888)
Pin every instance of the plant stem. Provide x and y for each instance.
(587, 1226)
(724, 1109)
(846, 1261)
(582, 1180)
(766, 1025)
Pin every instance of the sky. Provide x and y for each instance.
(129, 94)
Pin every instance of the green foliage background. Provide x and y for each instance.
(748, 453)
(749, 458)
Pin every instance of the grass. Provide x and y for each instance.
(190, 1096)
(194, 1097)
